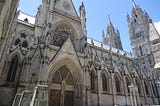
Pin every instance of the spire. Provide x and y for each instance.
(103, 36)
(82, 9)
(109, 21)
(118, 34)
(128, 17)
(83, 18)
(82, 4)
(133, 4)
(110, 27)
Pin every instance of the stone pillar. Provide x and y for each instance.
(113, 88)
(43, 73)
(134, 96)
(144, 91)
(28, 75)
(86, 87)
(126, 89)
(99, 86)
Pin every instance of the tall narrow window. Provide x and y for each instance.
(139, 87)
(93, 81)
(154, 89)
(140, 48)
(104, 82)
(117, 83)
(128, 82)
(12, 69)
(146, 87)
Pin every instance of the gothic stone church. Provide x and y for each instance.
(49, 61)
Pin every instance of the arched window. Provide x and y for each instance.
(128, 83)
(12, 70)
(25, 44)
(139, 87)
(93, 81)
(117, 83)
(63, 74)
(146, 85)
(105, 82)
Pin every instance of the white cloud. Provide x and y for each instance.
(157, 25)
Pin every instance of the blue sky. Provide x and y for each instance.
(97, 12)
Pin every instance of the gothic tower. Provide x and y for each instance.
(112, 37)
(139, 31)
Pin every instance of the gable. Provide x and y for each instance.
(67, 7)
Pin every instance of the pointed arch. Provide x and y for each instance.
(65, 80)
(63, 74)
(105, 81)
(72, 66)
(117, 83)
(93, 80)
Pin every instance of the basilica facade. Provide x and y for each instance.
(48, 60)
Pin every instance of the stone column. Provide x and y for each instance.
(99, 86)
(126, 89)
(144, 91)
(113, 88)
(86, 87)
(43, 73)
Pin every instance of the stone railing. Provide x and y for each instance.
(109, 48)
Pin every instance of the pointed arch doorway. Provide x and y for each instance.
(63, 88)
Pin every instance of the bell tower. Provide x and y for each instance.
(139, 36)
(139, 31)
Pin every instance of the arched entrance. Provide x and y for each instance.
(62, 91)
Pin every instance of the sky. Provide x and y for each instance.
(97, 12)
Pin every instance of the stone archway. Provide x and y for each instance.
(65, 85)
(62, 88)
